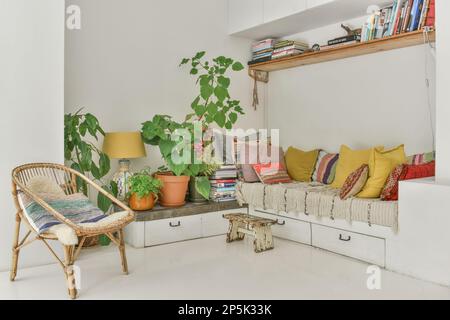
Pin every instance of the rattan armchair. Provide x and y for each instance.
(67, 179)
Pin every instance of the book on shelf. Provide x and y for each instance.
(222, 180)
(259, 60)
(338, 45)
(355, 37)
(287, 42)
(431, 13)
(399, 17)
(415, 15)
(223, 189)
(223, 185)
(291, 47)
(286, 53)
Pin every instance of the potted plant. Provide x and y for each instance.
(213, 105)
(144, 190)
(199, 186)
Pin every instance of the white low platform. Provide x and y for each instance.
(202, 269)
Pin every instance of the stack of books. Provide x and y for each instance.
(400, 17)
(262, 51)
(284, 48)
(223, 184)
(342, 41)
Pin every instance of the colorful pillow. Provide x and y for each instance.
(349, 161)
(354, 182)
(325, 169)
(421, 158)
(419, 171)
(390, 189)
(381, 164)
(300, 164)
(248, 155)
(272, 173)
(406, 172)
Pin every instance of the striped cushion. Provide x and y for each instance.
(355, 182)
(325, 170)
(75, 207)
(272, 173)
(421, 158)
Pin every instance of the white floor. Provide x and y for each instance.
(211, 269)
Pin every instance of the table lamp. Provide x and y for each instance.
(123, 146)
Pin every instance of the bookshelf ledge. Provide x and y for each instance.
(358, 49)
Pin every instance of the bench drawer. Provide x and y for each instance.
(355, 245)
(172, 230)
(289, 229)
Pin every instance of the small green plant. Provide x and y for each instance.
(143, 184)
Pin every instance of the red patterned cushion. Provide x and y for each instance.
(390, 189)
(406, 172)
(355, 182)
(419, 171)
(271, 173)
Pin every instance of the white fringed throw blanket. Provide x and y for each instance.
(318, 200)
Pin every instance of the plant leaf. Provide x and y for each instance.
(237, 66)
(103, 202)
(166, 147)
(212, 109)
(203, 186)
(184, 61)
(233, 117)
(221, 93)
(206, 91)
(223, 81)
(219, 118)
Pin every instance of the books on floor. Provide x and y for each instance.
(223, 184)
(399, 17)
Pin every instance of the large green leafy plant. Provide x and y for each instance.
(79, 129)
(212, 105)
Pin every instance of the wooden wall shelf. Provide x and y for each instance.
(352, 50)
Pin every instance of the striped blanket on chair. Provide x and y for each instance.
(75, 207)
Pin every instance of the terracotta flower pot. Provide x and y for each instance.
(142, 204)
(173, 192)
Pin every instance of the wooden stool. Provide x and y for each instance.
(260, 228)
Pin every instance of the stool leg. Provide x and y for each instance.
(233, 234)
(263, 238)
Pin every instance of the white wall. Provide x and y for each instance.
(123, 64)
(377, 99)
(31, 102)
(443, 92)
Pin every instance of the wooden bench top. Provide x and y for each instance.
(251, 220)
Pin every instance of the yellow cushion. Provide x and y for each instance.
(301, 164)
(349, 161)
(381, 165)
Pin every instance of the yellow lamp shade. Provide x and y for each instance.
(124, 145)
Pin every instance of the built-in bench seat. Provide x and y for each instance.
(317, 200)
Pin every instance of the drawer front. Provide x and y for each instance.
(172, 230)
(355, 245)
(289, 229)
(214, 224)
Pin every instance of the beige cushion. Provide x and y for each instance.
(42, 184)
(67, 236)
